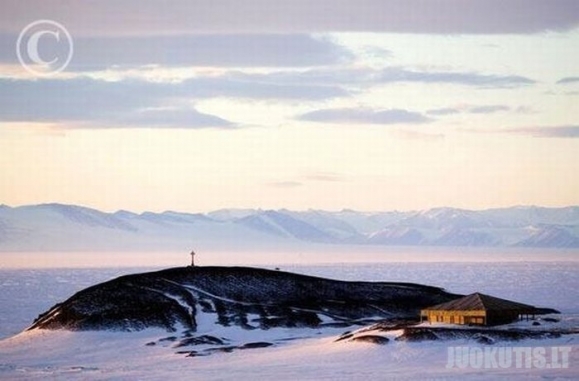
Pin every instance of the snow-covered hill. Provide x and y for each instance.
(50, 227)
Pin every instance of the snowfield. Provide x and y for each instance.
(40, 354)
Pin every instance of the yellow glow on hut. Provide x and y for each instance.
(479, 309)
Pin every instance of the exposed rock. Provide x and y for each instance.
(250, 298)
(374, 339)
(226, 349)
(204, 339)
(480, 335)
(418, 334)
(393, 324)
(345, 336)
(260, 344)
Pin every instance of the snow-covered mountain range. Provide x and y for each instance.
(70, 227)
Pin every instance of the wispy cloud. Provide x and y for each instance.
(364, 116)
(548, 132)
(490, 109)
(443, 111)
(321, 176)
(325, 176)
(367, 76)
(567, 80)
(459, 78)
(484, 109)
(564, 131)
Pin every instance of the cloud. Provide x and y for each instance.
(460, 78)
(364, 116)
(239, 85)
(548, 132)
(485, 109)
(491, 109)
(309, 177)
(131, 101)
(79, 99)
(524, 110)
(83, 99)
(443, 111)
(367, 76)
(246, 50)
(95, 103)
(567, 80)
(170, 118)
(147, 17)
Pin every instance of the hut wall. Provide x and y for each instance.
(456, 317)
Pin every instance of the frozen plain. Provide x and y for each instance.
(24, 293)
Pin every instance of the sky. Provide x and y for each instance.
(366, 105)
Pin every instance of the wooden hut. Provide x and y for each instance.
(479, 309)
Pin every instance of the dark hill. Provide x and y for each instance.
(248, 297)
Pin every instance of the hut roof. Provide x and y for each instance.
(478, 301)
